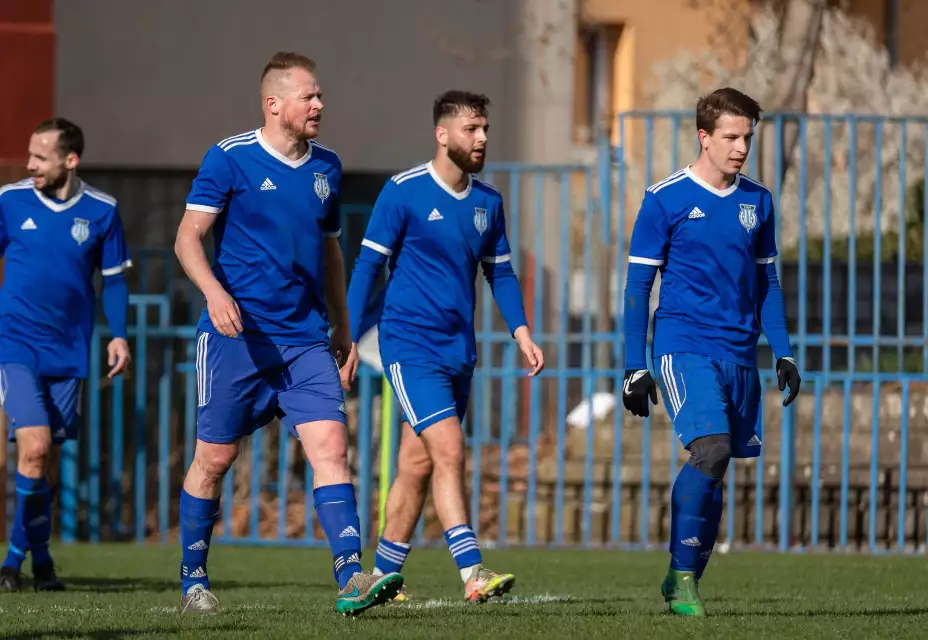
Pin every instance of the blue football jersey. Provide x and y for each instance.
(53, 248)
(274, 215)
(434, 237)
(707, 244)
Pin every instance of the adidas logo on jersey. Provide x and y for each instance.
(267, 185)
(435, 216)
(691, 542)
(754, 441)
(28, 225)
(349, 532)
(696, 213)
(199, 545)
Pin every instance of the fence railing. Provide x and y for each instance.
(552, 460)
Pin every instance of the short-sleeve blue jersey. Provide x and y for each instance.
(707, 244)
(53, 249)
(434, 238)
(274, 216)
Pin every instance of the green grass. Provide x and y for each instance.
(132, 591)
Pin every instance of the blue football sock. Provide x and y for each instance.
(711, 530)
(31, 524)
(338, 515)
(197, 518)
(690, 502)
(462, 543)
(390, 556)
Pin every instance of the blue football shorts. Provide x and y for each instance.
(428, 393)
(243, 386)
(33, 400)
(707, 396)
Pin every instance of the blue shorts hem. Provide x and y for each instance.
(320, 417)
(419, 427)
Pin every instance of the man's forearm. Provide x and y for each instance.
(335, 294)
(192, 257)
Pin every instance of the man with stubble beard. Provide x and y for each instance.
(434, 224)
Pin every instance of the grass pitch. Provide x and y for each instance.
(118, 591)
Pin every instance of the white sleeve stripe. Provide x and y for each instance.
(333, 234)
(203, 207)
(649, 261)
(379, 248)
(496, 259)
(769, 260)
(112, 271)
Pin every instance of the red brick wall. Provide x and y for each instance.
(27, 75)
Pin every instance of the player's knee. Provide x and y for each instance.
(710, 455)
(416, 467)
(34, 454)
(215, 460)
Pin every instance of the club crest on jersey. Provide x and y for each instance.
(480, 220)
(321, 186)
(748, 217)
(80, 230)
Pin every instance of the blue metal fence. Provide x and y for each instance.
(844, 468)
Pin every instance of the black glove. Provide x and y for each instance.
(788, 376)
(639, 387)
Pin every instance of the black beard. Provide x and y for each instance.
(51, 186)
(462, 160)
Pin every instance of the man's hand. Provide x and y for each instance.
(531, 351)
(350, 369)
(638, 389)
(341, 343)
(118, 356)
(788, 376)
(224, 313)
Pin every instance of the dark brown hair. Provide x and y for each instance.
(725, 101)
(451, 103)
(70, 136)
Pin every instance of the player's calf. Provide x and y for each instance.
(199, 511)
(404, 504)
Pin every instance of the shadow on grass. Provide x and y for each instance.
(127, 633)
(157, 585)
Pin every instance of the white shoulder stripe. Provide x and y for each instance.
(22, 184)
(409, 176)
(101, 196)
(418, 169)
(667, 183)
(489, 186)
(240, 143)
(757, 182)
(672, 176)
(234, 138)
(325, 148)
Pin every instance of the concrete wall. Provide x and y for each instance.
(156, 83)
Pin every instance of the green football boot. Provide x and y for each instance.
(365, 590)
(680, 590)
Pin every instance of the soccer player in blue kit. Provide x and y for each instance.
(271, 198)
(435, 224)
(711, 232)
(56, 231)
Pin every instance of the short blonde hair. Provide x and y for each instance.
(286, 60)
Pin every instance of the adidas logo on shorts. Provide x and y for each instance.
(754, 441)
